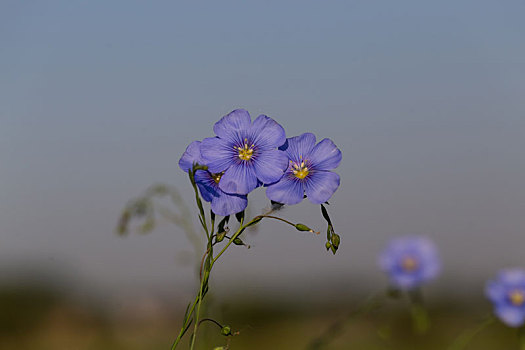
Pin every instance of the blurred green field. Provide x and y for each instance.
(42, 318)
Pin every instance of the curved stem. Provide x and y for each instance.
(372, 303)
(466, 336)
(212, 321)
(275, 218)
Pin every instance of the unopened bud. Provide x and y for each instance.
(328, 245)
(220, 236)
(336, 240)
(238, 241)
(226, 331)
(302, 227)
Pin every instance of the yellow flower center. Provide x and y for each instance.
(409, 264)
(245, 152)
(217, 177)
(517, 297)
(300, 170)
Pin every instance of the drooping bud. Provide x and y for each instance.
(303, 227)
(226, 331)
(336, 240)
(238, 241)
(220, 236)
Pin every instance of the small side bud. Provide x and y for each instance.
(238, 241)
(328, 245)
(336, 240)
(303, 227)
(226, 331)
(220, 236)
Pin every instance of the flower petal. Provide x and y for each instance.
(512, 276)
(325, 155)
(227, 204)
(233, 126)
(267, 133)
(191, 155)
(270, 165)
(238, 179)
(495, 291)
(286, 191)
(298, 147)
(217, 154)
(321, 185)
(207, 186)
(511, 316)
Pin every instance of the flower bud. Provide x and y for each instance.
(226, 331)
(220, 236)
(302, 227)
(336, 240)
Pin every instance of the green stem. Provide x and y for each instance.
(191, 174)
(466, 337)
(420, 319)
(185, 325)
(336, 328)
(237, 234)
(273, 217)
(196, 323)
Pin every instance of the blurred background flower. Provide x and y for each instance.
(410, 262)
(507, 294)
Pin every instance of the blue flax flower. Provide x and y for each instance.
(208, 183)
(507, 293)
(245, 152)
(308, 171)
(410, 261)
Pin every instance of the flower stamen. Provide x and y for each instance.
(217, 177)
(300, 170)
(245, 152)
(409, 264)
(517, 297)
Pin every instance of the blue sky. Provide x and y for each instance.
(99, 99)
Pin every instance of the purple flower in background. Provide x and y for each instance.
(410, 261)
(308, 171)
(507, 293)
(208, 183)
(245, 152)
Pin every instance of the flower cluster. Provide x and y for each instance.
(245, 155)
(410, 262)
